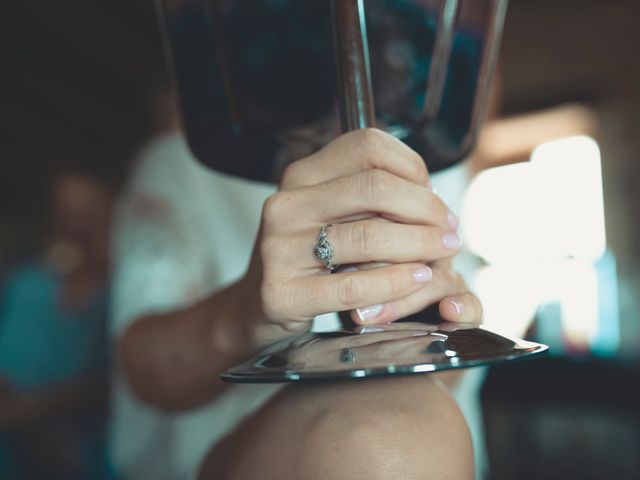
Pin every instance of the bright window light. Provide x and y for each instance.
(549, 208)
(540, 227)
(512, 293)
(571, 172)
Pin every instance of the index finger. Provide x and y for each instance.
(354, 152)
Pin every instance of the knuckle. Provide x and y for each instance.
(440, 209)
(369, 143)
(289, 175)
(431, 203)
(363, 237)
(350, 291)
(295, 174)
(271, 206)
(396, 284)
(426, 239)
(275, 209)
(436, 208)
(370, 137)
(421, 171)
(377, 184)
(374, 143)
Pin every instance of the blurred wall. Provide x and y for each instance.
(77, 78)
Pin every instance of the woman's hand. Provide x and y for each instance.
(375, 192)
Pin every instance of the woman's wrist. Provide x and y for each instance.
(228, 329)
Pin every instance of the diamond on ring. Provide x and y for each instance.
(347, 355)
(323, 249)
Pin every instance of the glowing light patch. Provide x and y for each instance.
(541, 227)
(549, 208)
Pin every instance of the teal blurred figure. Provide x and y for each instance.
(53, 349)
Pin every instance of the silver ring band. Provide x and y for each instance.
(323, 249)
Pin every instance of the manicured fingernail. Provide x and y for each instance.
(366, 314)
(453, 220)
(458, 305)
(422, 275)
(451, 241)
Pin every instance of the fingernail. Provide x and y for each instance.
(422, 275)
(458, 305)
(451, 241)
(453, 220)
(366, 314)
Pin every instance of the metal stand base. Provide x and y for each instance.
(395, 349)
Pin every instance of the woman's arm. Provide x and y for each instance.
(172, 360)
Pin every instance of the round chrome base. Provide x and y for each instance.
(394, 349)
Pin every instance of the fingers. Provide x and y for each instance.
(308, 296)
(463, 307)
(376, 241)
(446, 288)
(372, 192)
(355, 152)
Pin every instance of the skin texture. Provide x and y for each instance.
(392, 428)
(375, 191)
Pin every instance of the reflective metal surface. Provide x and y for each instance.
(352, 63)
(394, 349)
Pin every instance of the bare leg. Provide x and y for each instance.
(393, 428)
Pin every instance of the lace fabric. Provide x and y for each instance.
(180, 233)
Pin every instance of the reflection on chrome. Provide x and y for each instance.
(393, 349)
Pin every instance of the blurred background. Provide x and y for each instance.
(551, 218)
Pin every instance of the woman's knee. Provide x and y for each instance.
(388, 428)
(402, 428)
